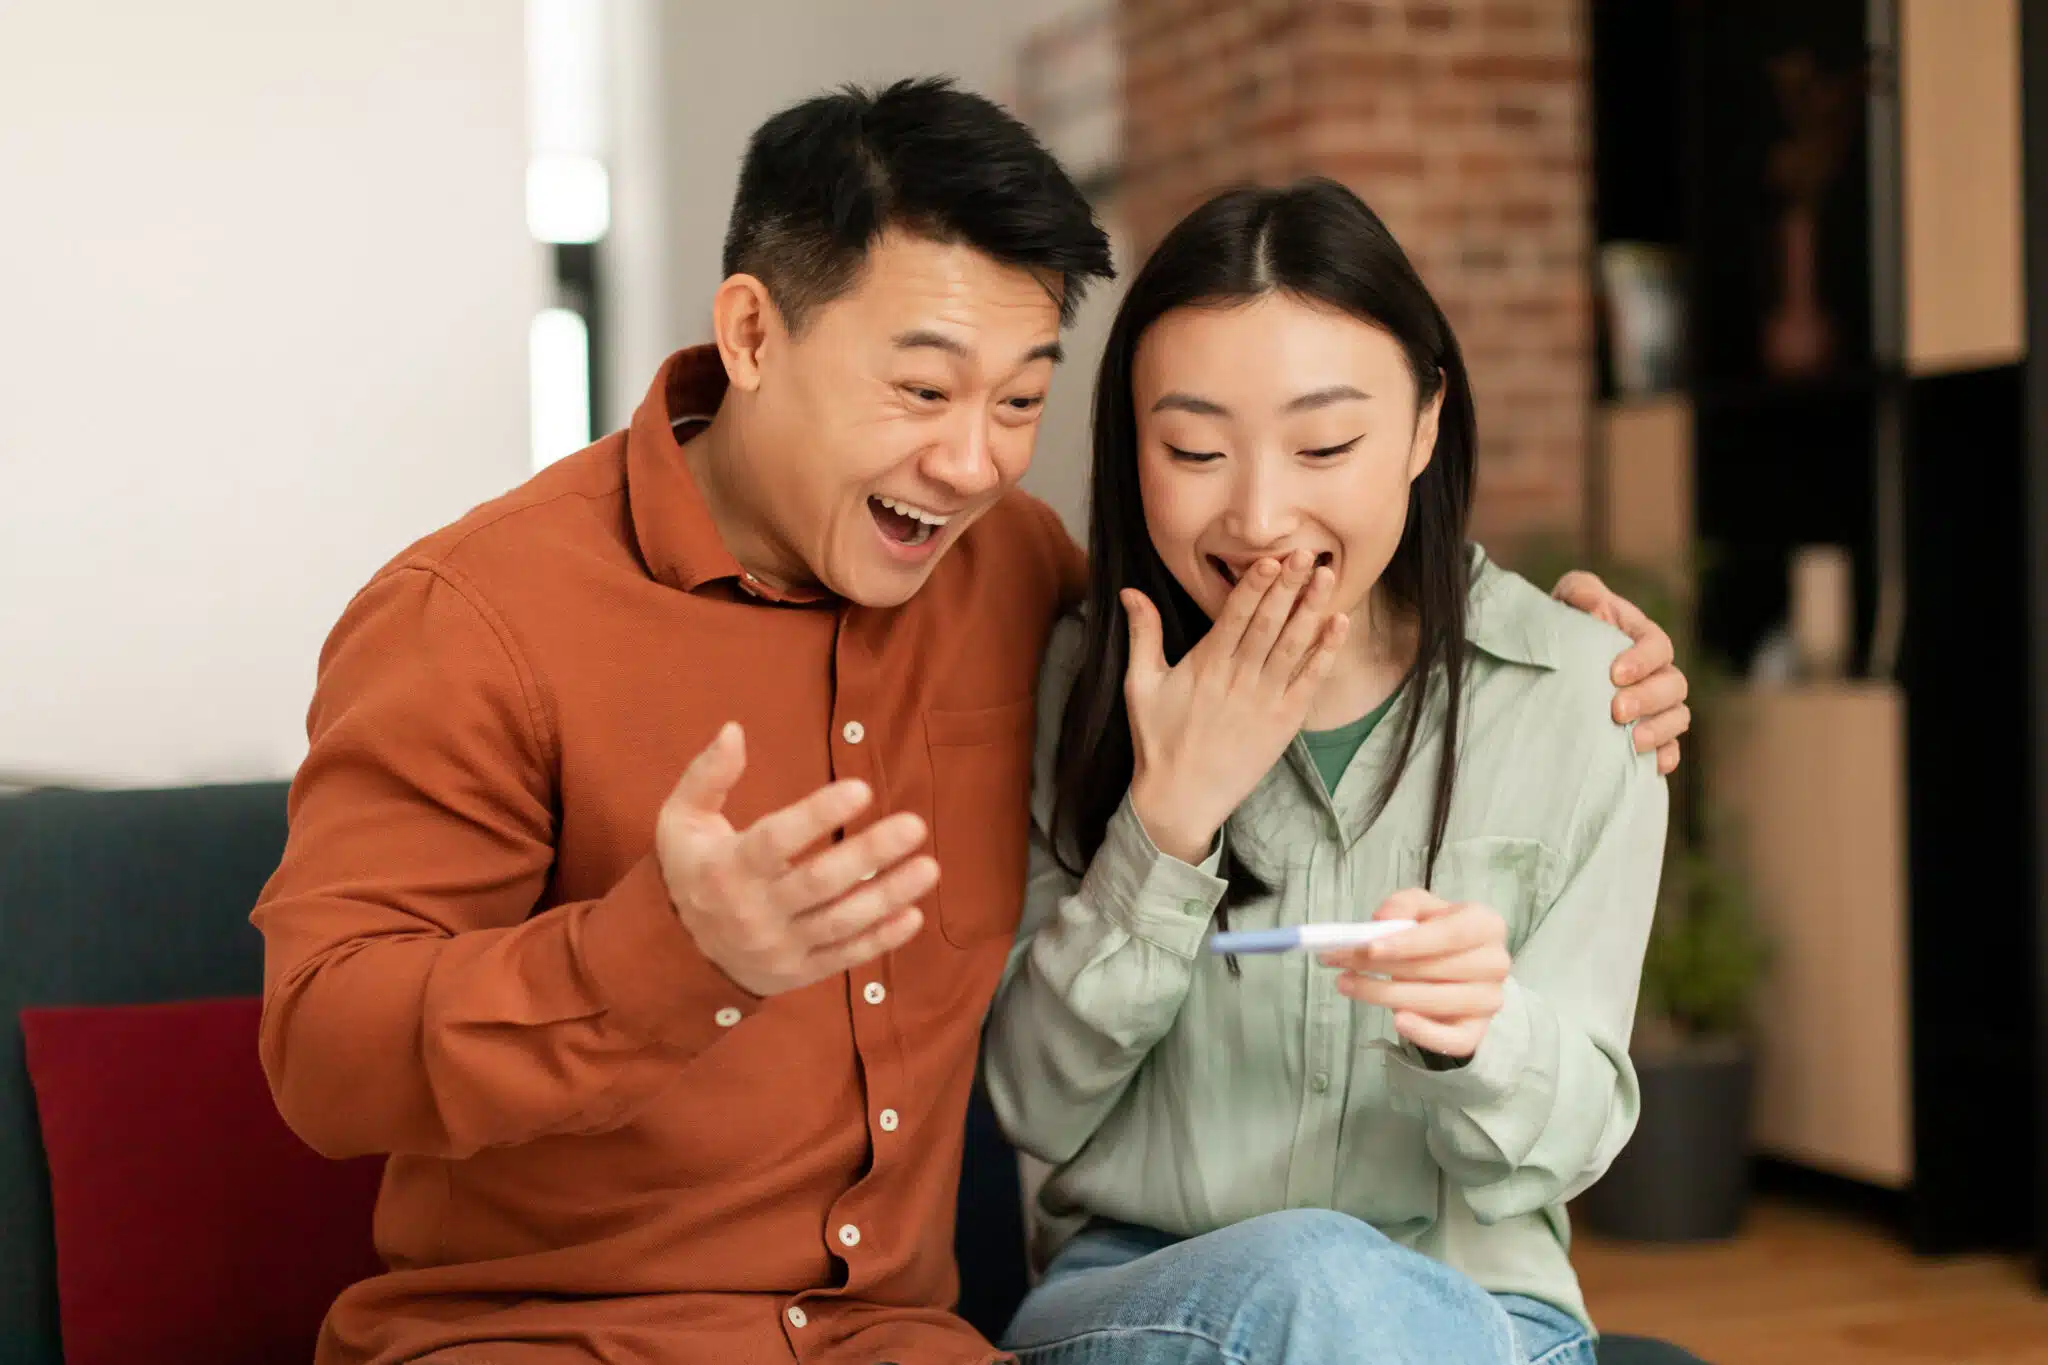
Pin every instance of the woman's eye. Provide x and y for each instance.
(1192, 456)
(1325, 452)
(1030, 403)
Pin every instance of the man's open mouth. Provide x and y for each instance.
(903, 522)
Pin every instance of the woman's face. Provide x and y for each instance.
(1272, 426)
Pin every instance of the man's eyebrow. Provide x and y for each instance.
(1323, 398)
(924, 337)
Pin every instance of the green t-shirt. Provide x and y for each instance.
(1332, 750)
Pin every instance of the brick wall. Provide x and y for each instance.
(1463, 123)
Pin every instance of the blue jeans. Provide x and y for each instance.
(1303, 1287)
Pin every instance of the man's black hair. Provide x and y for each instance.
(824, 178)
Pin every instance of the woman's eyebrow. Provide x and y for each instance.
(1179, 401)
(1323, 398)
(1187, 402)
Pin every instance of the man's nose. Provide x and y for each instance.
(964, 462)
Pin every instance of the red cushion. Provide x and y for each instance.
(191, 1224)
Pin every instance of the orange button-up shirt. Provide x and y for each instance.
(601, 1148)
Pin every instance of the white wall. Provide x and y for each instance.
(731, 66)
(264, 287)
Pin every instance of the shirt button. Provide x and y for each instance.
(727, 1017)
(873, 993)
(797, 1317)
(1321, 1081)
(849, 1235)
(853, 732)
(888, 1120)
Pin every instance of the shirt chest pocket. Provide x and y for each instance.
(1512, 876)
(981, 795)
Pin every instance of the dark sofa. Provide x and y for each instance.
(121, 898)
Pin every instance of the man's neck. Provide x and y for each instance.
(717, 457)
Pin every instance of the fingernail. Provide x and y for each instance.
(1625, 710)
(1624, 674)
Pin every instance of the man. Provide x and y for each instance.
(665, 1070)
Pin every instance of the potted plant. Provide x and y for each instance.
(1684, 1175)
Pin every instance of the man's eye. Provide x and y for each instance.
(1193, 456)
(924, 394)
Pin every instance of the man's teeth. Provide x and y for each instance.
(913, 512)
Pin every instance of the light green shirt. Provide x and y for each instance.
(1166, 1093)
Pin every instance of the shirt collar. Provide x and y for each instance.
(1508, 617)
(671, 521)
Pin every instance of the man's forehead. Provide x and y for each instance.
(952, 297)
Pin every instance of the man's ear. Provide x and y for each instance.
(744, 323)
(1426, 422)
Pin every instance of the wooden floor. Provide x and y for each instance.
(1805, 1288)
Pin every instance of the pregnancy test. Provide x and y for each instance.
(1306, 937)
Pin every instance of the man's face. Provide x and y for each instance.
(899, 414)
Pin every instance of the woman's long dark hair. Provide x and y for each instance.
(1317, 241)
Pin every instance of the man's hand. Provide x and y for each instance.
(768, 921)
(1443, 979)
(1651, 685)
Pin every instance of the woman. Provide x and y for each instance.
(1296, 694)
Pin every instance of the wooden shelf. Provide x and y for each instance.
(1811, 782)
(1646, 476)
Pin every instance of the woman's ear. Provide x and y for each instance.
(744, 322)
(1424, 449)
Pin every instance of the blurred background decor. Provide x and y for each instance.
(1643, 309)
(1848, 514)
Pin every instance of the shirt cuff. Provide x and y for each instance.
(1155, 897)
(646, 970)
(1489, 1075)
